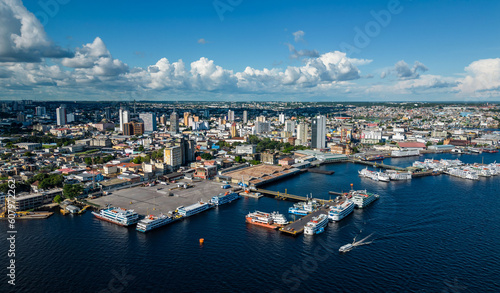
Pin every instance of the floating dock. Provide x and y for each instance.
(314, 170)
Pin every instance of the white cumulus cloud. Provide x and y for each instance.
(482, 79)
(22, 36)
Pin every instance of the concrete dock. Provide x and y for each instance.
(297, 227)
(160, 198)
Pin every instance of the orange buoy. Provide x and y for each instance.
(202, 240)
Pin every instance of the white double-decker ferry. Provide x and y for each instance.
(340, 211)
(395, 175)
(279, 219)
(316, 225)
(362, 198)
(118, 216)
(193, 209)
(151, 222)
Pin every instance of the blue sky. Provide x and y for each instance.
(428, 50)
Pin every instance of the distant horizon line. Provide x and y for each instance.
(258, 102)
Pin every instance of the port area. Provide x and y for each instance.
(160, 198)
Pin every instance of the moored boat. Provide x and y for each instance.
(316, 225)
(340, 211)
(261, 219)
(224, 198)
(151, 222)
(118, 216)
(362, 198)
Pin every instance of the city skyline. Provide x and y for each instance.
(242, 51)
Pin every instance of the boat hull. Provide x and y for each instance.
(270, 226)
(111, 221)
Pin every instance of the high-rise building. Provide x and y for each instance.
(261, 127)
(107, 114)
(290, 126)
(186, 118)
(174, 122)
(40, 111)
(163, 120)
(128, 129)
(172, 156)
(149, 120)
(282, 118)
(234, 132)
(21, 117)
(245, 117)
(230, 115)
(261, 118)
(133, 128)
(190, 121)
(124, 117)
(61, 115)
(318, 136)
(70, 117)
(302, 130)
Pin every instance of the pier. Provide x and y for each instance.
(287, 196)
(297, 227)
(377, 165)
(314, 170)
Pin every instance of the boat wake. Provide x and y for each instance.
(350, 246)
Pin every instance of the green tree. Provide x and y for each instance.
(58, 199)
(88, 160)
(141, 148)
(72, 190)
(206, 156)
(19, 187)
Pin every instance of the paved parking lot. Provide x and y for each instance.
(160, 198)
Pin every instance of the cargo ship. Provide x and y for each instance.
(151, 222)
(261, 219)
(362, 198)
(118, 216)
(224, 198)
(316, 225)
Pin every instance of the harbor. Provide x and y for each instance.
(395, 220)
(160, 198)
